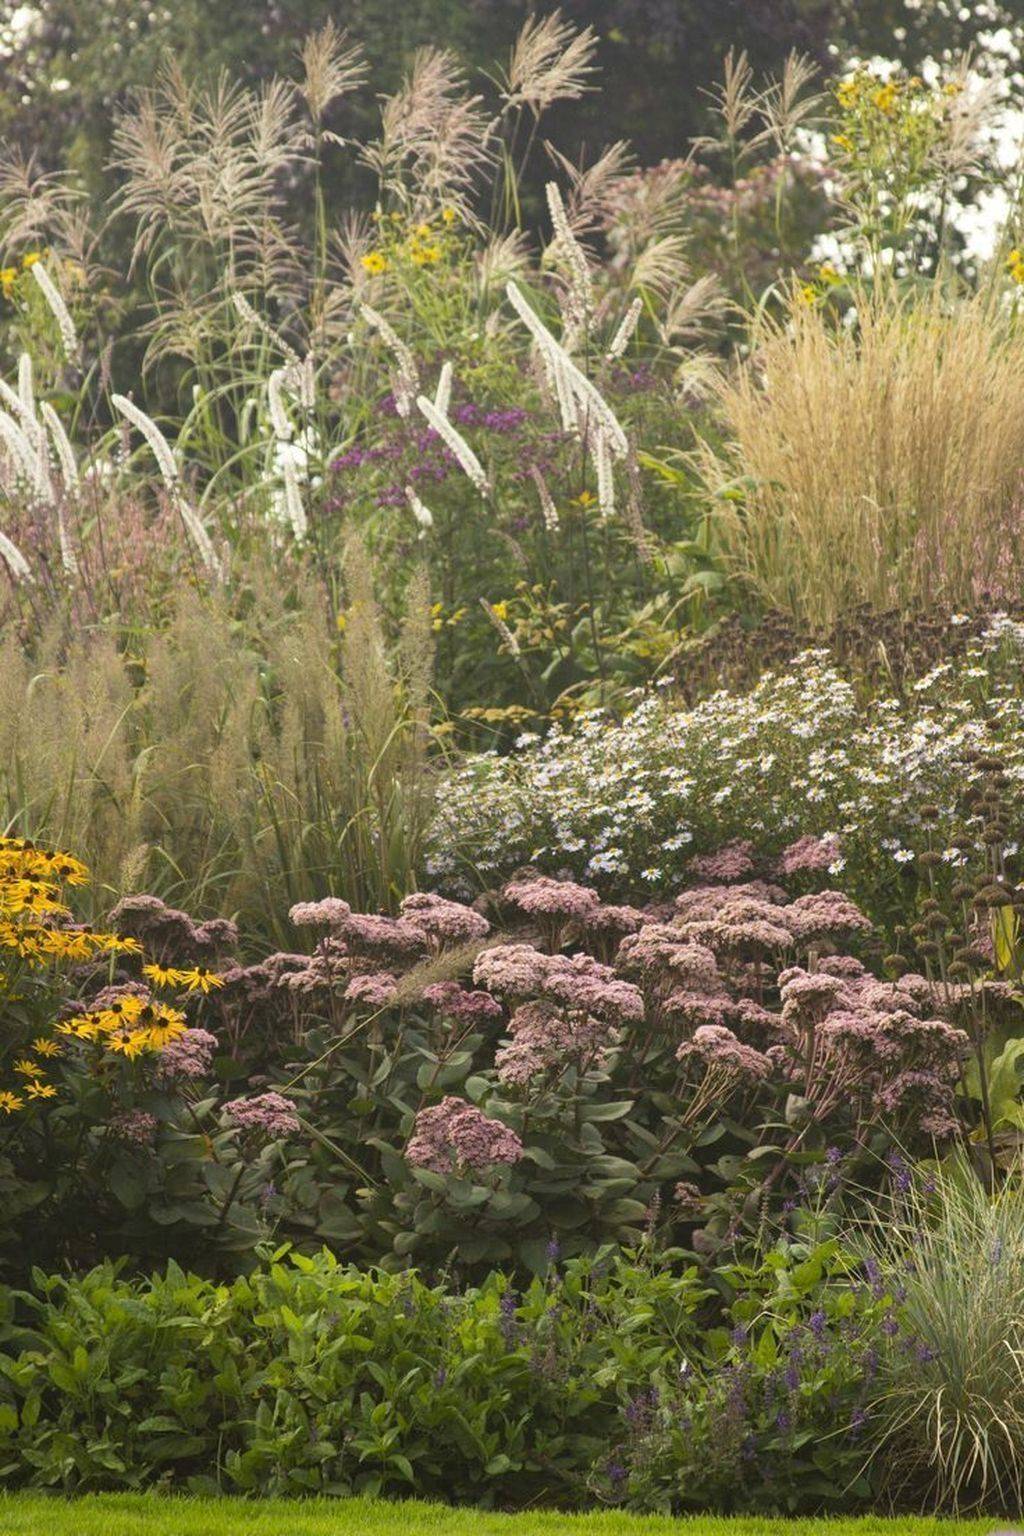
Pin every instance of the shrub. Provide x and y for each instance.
(424, 1086)
(772, 1414)
(97, 1068)
(601, 1380)
(313, 1377)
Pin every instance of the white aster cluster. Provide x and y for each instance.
(626, 805)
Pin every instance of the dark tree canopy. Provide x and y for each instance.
(68, 71)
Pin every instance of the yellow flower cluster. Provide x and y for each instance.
(9, 275)
(882, 119)
(129, 1026)
(421, 244)
(195, 978)
(828, 277)
(1015, 266)
(72, 273)
(440, 620)
(34, 921)
(36, 928)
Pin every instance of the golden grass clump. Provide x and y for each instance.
(882, 461)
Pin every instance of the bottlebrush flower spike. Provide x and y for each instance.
(14, 559)
(467, 459)
(52, 294)
(161, 451)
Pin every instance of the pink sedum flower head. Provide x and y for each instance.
(270, 1114)
(445, 922)
(454, 1136)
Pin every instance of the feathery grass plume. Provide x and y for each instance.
(690, 311)
(26, 388)
(881, 463)
(51, 293)
(784, 103)
(734, 103)
(502, 257)
(591, 401)
(467, 459)
(161, 451)
(332, 67)
(69, 475)
(550, 61)
(305, 380)
(68, 558)
(948, 1412)
(14, 560)
(33, 430)
(18, 447)
(39, 207)
(407, 377)
(433, 139)
(294, 510)
(971, 105)
(624, 333)
(577, 303)
(420, 512)
(549, 511)
(443, 392)
(662, 266)
(594, 189)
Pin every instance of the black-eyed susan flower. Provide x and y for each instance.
(164, 975)
(40, 1090)
(201, 979)
(10, 1102)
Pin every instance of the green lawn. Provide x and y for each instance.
(149, 1515)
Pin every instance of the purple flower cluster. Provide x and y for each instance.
(454, 1136)
(170, 936)
(268, 1114)
(733, 861)
(455, 1002)
(444, 922)
(809, 855)
(190, 1056)
(545, 1038)
(135, 1127)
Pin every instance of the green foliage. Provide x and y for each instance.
(311, 1377)
(772, 1415)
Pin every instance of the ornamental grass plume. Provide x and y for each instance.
(55, 299)
(948, 1418)
(882, 465)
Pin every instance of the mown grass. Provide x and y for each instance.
(150, 1515)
